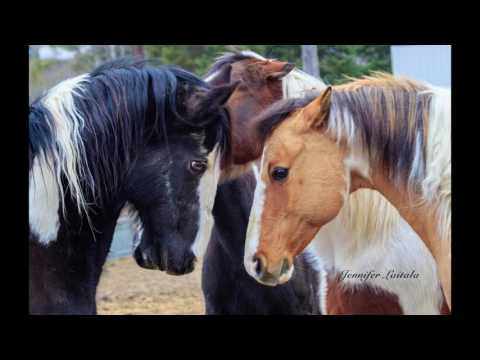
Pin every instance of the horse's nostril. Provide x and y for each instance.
(285, 267)
(259, 265)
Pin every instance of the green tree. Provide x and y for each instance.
(339, 61)
(335, 61)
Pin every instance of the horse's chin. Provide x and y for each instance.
(187, 270)
(145, 261)
(148, 257)
(185, 267)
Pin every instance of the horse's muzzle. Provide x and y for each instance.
(276, 276)
(148, 258)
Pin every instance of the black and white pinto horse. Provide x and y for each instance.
(127, 132)
(226, 286)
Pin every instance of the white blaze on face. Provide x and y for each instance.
(254, 221)
(207, 190)
(43, 202)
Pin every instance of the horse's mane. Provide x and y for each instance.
(388, 118)
(269, 119)
(102, 118)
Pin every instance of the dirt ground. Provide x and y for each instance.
(127, 289)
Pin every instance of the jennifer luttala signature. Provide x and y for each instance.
(375, 275)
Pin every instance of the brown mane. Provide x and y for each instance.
(273, 116)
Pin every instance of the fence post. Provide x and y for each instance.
(138, 52)
(310, 60)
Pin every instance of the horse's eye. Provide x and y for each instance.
(198, 166)
(279, 173)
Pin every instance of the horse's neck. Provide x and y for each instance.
(417, 212)
(71, 264)
(363, 299)
(427, 210)
(342, 249)
(231, 210)
(422, 216)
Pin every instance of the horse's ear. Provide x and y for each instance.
(281, 72)
(222, 77)
(210, 103)
(219, 95)
(316, 113)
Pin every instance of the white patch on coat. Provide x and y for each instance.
(402, 251)
(43, 202)
(207, 190)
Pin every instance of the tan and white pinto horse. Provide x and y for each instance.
(378, 133)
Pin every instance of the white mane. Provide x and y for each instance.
(436, 186)
(252, 54)
(68, 123)
(66, 159)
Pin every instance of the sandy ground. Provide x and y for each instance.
(127, 289)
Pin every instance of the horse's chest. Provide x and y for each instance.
(344, 300)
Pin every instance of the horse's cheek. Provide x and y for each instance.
(323, 198)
